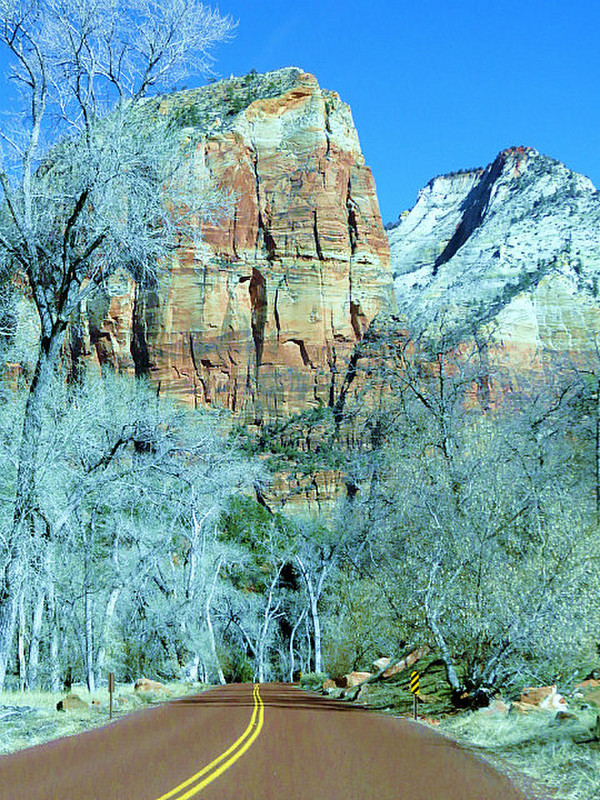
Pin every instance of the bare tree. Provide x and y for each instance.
(131, 489)
(318, 551)
(475, 515)
(88, 174)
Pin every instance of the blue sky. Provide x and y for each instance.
(436, 86)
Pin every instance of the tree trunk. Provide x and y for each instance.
(13, 581)
(261, 656)
(431, 619)
(308, 646)
(317, 633)
(54, 642)
(209, 625)
(89, 641)
(269, 615)
(16, 567)
(34, 643)
(21, 646)
(87, 534)
(313, 596)
(193, 668)
(292, 637)
(445, 655)
(108, 618)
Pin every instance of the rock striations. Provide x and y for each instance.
(261, 317)
(513, 248)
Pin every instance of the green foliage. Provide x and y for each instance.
(360, 628)
(189, 116)
(307, 442)
(247, 522)
(237, 666)
(313, 680)
(240, 94)
(263, 540)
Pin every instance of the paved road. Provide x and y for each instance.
(244, 742)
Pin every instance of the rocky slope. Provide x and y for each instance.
(513, 248)
(262, 317)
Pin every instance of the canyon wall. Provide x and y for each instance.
(287, 306)
(260, 317)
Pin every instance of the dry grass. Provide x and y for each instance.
(548, 758)
(31, 718)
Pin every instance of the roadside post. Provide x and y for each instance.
(111, 689)
(414, 688)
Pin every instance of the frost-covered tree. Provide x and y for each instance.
(90, 171)
(123, 551)
(478, 520)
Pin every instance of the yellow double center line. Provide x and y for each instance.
(217, 767)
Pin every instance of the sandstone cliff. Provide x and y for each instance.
(262, 317)
(513, 248)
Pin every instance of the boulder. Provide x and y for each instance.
(329, 684)
(71, 702)
(406, 662)
(544, 697)
(522, 708)
(565, 716)
(496, 708)
(349, 680)
(394, 669)
(146, 685)
(382, 663)
(357, 695)
(356, 678)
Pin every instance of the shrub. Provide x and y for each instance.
(313, 680)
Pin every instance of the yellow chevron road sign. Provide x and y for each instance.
(414, 682)
(414, 687)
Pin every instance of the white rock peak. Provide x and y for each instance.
(516, 243)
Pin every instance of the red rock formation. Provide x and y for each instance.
(263, 316)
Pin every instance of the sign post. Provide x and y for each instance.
(111, 689)
(414, 688)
